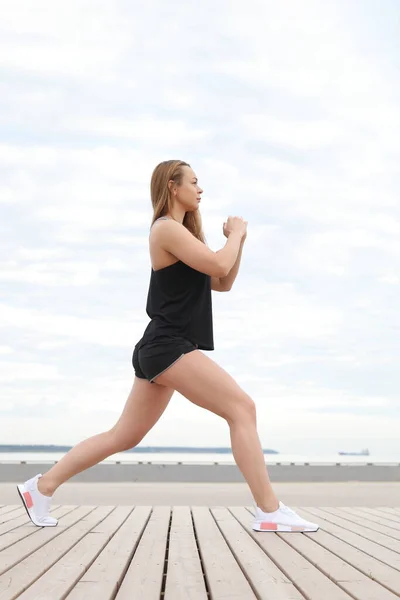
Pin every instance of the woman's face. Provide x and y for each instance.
(189, 192)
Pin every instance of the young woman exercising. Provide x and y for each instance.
(168, 357)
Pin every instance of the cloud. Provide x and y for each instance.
(289, 115)
(102, 331)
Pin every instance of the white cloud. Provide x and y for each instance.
(291, 134)
(390, 279)
(278, 311)
(107, 332)
(21, 371)
(6, 350)
(146, 130)
(288, 113)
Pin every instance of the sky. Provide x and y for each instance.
(289, 114)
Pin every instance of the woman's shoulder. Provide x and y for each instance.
(162, 219)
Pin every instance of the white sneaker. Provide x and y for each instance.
(283, 519)
(37, 505)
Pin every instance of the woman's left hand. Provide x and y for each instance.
(226, 234)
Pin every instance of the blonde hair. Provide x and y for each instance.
(161, 196)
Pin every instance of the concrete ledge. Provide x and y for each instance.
(197, 473)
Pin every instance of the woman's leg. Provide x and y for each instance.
(206, 384)
(144, 406)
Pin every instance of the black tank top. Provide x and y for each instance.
(179, 304)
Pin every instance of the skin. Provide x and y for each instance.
(195, 376)
(186, 197)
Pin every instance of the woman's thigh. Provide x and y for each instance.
(205, 383)
(143, 408)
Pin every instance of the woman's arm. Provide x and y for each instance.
(179, 242)
(224, 284)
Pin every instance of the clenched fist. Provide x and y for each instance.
(234, 224)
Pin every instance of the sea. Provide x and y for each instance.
(205, 458)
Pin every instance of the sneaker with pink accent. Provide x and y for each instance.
(283, 519)
(37, 505)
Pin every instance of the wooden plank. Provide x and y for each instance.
(17, 507)
(14, 526)
(267, 580)
(185, 578)
(23, 541)
(75, 562)
(373, 542)
(54, 544)
(224, 577)
(370, 521)
(102, 580)
(22, 527)
(16, 518)
(8, 516)
(307, 578)
(378, 516)
(325, 553)
(8, 508)
(144, 577)
(355, 551)
(390, 511)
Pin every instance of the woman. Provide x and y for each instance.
(168, 357)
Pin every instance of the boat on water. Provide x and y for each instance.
(364, 452)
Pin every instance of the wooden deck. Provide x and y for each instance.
(198, 553)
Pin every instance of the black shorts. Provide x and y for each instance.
(150, 359)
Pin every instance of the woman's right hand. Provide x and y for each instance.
(233, 225)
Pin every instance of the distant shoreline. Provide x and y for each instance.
(137, 449)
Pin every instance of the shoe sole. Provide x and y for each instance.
(278, 527)
(26, 497)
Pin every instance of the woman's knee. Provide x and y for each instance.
(121, 440)
(243, 410)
